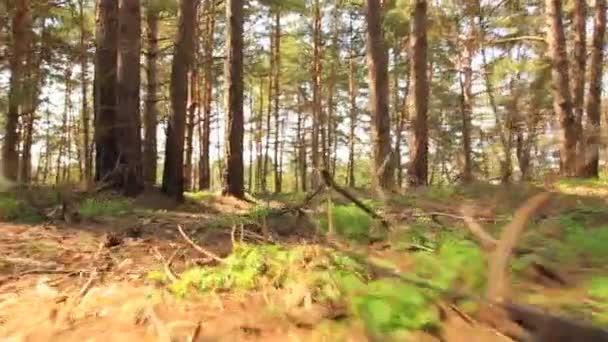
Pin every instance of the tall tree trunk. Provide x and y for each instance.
(21, 35)
(259, 134)
(331, 127)
(105, 96)
(233, 87)
(467, 101)
(173, 174)
(250, 180)
(150, 108)
(316, 92)
(418, 170)
(562, 101)
(402, 113)
(192, 114)
(84, 61)
(276, 96)
(578, 78)
(352, 113)
(302, 156)
(205, 166)
(268, 115)
(594, 97)
(377, 60)
(128, 81)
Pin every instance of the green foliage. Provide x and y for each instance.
(199, 196)
(389, 305)
(570, 183)
(578, 242)
(95, 207)
(349, 222)
(456, 263)
(157, 276)
(598, 291)
(13, 209)
(246, 268)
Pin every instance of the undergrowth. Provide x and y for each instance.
(97, 207)
(349, 222)
(383, 305)
(597, 290)
(14, 209)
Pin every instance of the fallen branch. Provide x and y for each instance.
(331, 184)
(197, 247)
(497, 275)
(486, 240)
(167, 263)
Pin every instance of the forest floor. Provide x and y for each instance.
(116, 269)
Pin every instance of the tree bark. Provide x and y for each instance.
(302, 156)
(192, 114)
(418, 170)
(316, 92)
(276, 95)
(594, 96)
(106, 143)
(204, 163)
(173, 174)
(150, 109)
(352, 113)
(21, 34)
(233, 87)
(467, 101)
(84, 84)
(128, 82)
(562, 101)
(579, 51)
(377, 60)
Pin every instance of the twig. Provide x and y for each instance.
(510, 234)
(197, 332)
(331, 184)
(85, 288)
(486, 240)
(197, 247)
(167, 263)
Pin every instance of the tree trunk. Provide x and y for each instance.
(128, 81)
(192, 114)
(250, 180)
(316, 92)
(21, 34)
(331, 127)
(259, 134)
(402, 113)
(578, 78)
(268, 115)
(173, 174)
(204, 163)
(302, 157)
(467, 101)
(352, 114)
(84, 61)
(233, 87)
(377, 60)
(418, 170)
(105, 96)
(594, 97)
(562, 101)
(276, 95)
(150, 109)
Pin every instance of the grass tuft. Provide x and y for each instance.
(13, 209)
(94, 207)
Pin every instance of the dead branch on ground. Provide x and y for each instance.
(197, 247)
(331, 184)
